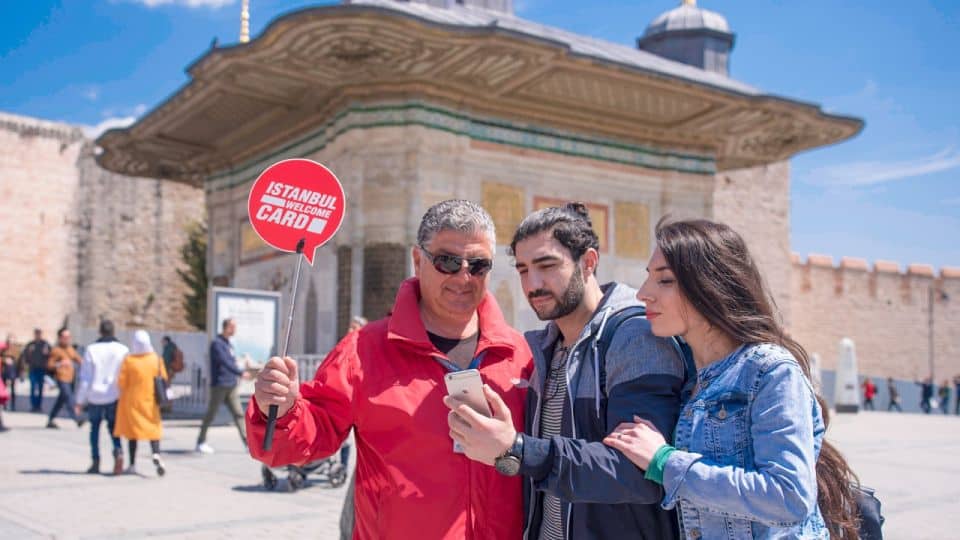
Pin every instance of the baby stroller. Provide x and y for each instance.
(328, 469)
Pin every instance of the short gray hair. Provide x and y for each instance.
(455, 215)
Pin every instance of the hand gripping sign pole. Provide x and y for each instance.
(272, 413)
(295, 205)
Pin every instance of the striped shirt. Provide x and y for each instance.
(551, 417)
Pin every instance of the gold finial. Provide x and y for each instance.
(690, 3)
(245, 21)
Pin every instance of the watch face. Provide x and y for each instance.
(508, 465)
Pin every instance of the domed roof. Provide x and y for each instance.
(688, 17)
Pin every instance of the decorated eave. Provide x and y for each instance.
(244, 100)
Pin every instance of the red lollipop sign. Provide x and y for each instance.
(293, 200)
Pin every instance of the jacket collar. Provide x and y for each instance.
(405, 327)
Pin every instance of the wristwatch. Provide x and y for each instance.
(508, 463)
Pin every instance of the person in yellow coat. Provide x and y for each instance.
(138, 415)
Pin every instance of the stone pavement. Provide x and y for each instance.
(910, 459)
(44, 492)
(913, 461)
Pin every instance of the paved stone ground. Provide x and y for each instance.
(44, 492)
(910, 459)
(913, 461)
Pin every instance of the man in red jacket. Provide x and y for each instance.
(386, 382)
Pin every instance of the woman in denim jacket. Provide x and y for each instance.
(748, 458)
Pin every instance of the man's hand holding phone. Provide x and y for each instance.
(483, 437)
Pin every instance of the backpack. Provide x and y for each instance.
(176, 365)
(610, 329)
(871, 518)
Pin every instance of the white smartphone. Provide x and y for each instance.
(467, 386)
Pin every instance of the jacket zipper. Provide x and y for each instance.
(573, 421)
(536, 433)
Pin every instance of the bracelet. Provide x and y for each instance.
(657, 463)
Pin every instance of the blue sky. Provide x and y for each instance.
(891, 193)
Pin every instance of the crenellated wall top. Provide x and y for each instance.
(34, 127)
(817, 260)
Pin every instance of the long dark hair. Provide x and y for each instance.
(719, 278)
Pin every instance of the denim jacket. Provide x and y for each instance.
(748, 443)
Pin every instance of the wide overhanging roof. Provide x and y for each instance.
(246, 99)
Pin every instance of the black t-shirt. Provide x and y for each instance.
(459, 351)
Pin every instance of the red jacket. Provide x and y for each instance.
(385, 382)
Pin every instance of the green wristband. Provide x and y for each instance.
(657, 463)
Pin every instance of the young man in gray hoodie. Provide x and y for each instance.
(582, 387)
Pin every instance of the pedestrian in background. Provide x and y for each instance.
(869, 390)
(894, 395)
(35, 356)
(224, 375)
(4, 396)
(956, 394)
(944, 395)
(9, 355)
(98, 392)
(138, 413)
(926, 395)
(172, 357)
(356, 323)
(61, 363)
(346, 512)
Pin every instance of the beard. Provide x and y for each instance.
(567, 302)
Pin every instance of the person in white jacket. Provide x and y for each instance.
(97, 390)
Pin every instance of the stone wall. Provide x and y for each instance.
(756, 203)
(38, 193)
(131, 233)
(884, 310)
(82, 243)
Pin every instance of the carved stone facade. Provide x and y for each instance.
(82, 243)
(392, 171)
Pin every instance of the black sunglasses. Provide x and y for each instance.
(451, 264)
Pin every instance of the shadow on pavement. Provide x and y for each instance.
(180, 452)
(259, 488)
(53, 471)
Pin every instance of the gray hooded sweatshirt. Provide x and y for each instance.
(605, 495)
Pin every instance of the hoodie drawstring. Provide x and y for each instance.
(596, 360)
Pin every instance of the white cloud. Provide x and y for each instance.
(188, 3)
(115, 118)
(864, 173)
(93, 132)
(92, 93)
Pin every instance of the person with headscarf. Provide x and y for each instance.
(138, 414)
